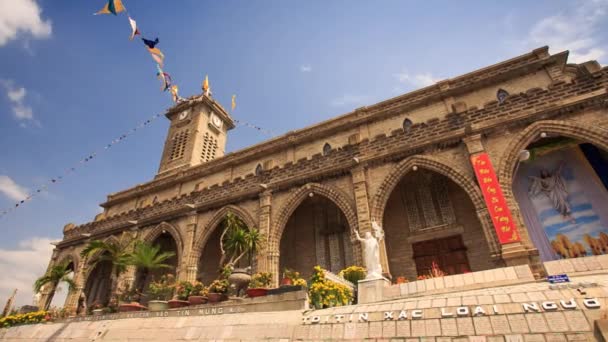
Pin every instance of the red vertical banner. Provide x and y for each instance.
(495, 201)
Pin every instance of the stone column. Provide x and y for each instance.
(514, 253)
(46, 290)
(263, 261)
(189, 262)
(364, 221)
(71, 301)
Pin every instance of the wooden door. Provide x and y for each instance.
(449, 253)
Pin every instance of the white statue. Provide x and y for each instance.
(371, 251)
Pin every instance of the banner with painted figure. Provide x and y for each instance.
(564, 204)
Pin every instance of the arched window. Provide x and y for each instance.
(259, 170)
(407, 125)
(501, 95)
(326, 149)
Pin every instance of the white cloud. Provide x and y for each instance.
(305, 68)
(22, 17)
(417, 80)
(20, 267)
(349, 100)
(12, 190)
(577, 31)
(16, 96)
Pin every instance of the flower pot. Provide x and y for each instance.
(257, 292)
(130, 307)
(176, 303)
(97, 312)
(216, 297)
(240, 278)
(197, 300)
(158, 305)
(286, 282)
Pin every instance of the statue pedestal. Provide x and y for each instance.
(370, 290)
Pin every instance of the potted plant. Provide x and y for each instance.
(401, 280)
(161, 291)
(353, 274)
(97, 309)
(129, 299)
(288, 275)
(182, 291)
(217, 290)
(259, 283)
(198, 294)
(237, 241)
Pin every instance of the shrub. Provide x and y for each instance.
(183, 290)
(219, 286)
(162, 289)
(28, 318)
(353, 274)
(326, 293)
(198, 289)
(260, 280)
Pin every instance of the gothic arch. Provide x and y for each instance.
(510, 158)
(72, 257)
(203, 236)
(86, 260)
(337, 196)
(173, 231)
(585, 133)
(462, 178)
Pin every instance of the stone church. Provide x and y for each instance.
(412, 163)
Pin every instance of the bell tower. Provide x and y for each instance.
(198, 131)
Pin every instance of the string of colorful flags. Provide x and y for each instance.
(114, 7)
(79, 164)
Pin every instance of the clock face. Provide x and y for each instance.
(183, 115)
(216, 121)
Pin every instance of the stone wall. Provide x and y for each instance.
(525, 312)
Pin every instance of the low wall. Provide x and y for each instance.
(531, 311)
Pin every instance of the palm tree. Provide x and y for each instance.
(237, 240)
(146, 258)
(115, 252)
(54, 276)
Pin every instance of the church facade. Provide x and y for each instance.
(503, 166)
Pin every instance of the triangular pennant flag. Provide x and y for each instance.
(157, 55)
(113, 6)
(150, 43)
(233, 102)
(134, 29)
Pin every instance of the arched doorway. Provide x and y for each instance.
(430, 219)
(62, 290)
(561, 188)
(316, 233)
(98, 285)
(167, 243)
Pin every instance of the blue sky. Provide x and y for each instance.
(70, 82)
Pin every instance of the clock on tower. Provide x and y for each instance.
(197, 134)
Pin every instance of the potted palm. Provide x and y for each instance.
(217, 290)
(182, 292)
(258, 286)
(54, 276)
(237, 241)
(198, 294)
(146, 258)
(161, 291)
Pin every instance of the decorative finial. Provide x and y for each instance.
(206, 87)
